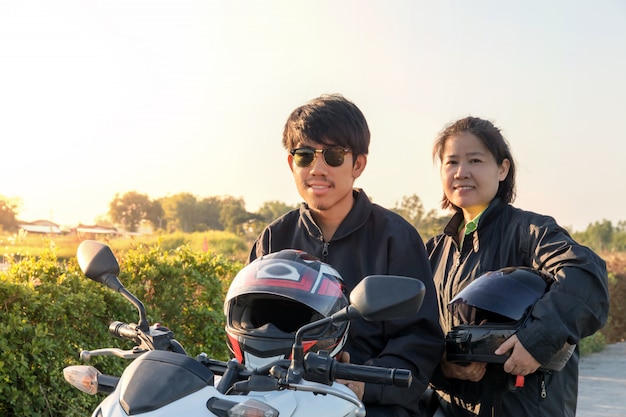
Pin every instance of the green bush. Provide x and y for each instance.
(48, 315)
(594, 343)
(50, 312)
(185, 291)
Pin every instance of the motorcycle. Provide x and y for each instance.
(163, 380)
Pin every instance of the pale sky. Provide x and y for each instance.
(162, 97)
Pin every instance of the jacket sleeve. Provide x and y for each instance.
(259, 247)
(415, 343)
(577, 303)
(271, 241)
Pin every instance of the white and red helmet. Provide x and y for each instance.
(275, 295)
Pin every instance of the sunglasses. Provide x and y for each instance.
(334, 157)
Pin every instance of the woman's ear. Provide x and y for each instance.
(503, 170)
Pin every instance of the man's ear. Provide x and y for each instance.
(359, 165)
(290, 161)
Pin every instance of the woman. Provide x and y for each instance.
(487, 233)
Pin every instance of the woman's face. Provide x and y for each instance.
(470, 174)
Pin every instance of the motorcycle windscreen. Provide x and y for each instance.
(158, 378)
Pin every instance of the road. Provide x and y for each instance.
(602, 383)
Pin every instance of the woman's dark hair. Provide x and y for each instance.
(330, 120)
(493, 140)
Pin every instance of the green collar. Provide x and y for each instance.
(472, 225)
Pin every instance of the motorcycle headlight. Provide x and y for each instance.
(252, 408)
(248, 408)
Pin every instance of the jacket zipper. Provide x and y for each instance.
(324, 250)
(449, 280)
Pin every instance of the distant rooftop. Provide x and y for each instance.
(40, 226)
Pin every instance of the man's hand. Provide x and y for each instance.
(357, 387)
(520, 362)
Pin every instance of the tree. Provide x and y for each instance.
(427, 224)
(178, 211)
(267, 213)
(619, 237)
(186, 207)
(271, 210)
(184, 212)
(432, 224)
(130, 209)
(233, 215)
(412, 209)
(209, 214)
(155, 214)
(8, 221)
(600, 235)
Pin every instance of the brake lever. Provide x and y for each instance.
(85, 355)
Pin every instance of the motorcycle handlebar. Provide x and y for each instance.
(320, 367)
(373, 374)
(124, 331)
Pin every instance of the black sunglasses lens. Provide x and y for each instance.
(303, 157)
(334, 157)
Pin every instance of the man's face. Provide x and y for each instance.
(326, 188)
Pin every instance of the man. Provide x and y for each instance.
(327, 140)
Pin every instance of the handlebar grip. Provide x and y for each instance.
(373, 374)
(123, 331)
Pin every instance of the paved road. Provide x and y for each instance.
(602, 383)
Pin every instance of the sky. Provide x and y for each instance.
(99, 98)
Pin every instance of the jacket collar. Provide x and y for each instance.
(489, 215)
(356, 218)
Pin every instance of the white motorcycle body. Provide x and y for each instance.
(160, 383)
(288, 403)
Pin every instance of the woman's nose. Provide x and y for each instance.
(461, 171)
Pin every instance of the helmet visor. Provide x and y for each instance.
(503, 294)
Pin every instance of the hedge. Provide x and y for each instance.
(49, 312)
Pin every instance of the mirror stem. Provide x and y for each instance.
(296, 369)
(143, 321)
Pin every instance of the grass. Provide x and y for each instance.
(14, 247)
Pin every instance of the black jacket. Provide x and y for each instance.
(372, 240)
(575, 307)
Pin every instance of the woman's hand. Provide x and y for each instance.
(520, 362)
(474, 371)
(357, 387)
